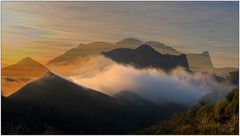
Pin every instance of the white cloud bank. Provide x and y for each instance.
(178, 86)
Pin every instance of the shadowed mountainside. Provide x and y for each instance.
(55, 104)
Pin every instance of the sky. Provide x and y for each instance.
(44, 30)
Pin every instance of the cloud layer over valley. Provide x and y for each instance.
(178, 86)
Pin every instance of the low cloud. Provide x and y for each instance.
(178, 86)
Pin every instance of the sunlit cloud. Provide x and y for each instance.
(178, 86)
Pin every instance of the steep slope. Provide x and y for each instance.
(59, 92)
(145, 56)
(17, 75)
(59, 103)
(55, 104)
(219, 119)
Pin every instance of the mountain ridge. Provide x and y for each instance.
(25, 67)
(145, 56)
(71, 59)
(95, 48)
(52, 101)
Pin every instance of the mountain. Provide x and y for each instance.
(129, 41)
(61, 104)
(145, 56)
(199, 61)
(162, 48)
(55, 105)
(134, 43)
(75, 55)
(59, 92)
(17, 75)
(27, 67)
(212, 119)
(202, 62)
(68, 62)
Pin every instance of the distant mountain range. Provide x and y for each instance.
(48, 103)
(126, 51)
(75, 56)
(145, 56)
(55, 105)
(95, 48)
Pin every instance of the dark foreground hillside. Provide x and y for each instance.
(221, 118)
(54, 105)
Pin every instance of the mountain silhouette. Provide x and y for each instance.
(59, 92)
(129, 41)
(199, 61)
(27, 67)
(162, 48)
(54, 102)
(75, 55)
(202, 62)
(145, 56)
(145, 49)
